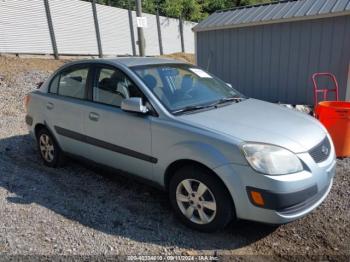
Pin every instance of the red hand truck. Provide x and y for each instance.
(325, 91)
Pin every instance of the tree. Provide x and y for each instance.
(194, 10)
(187, 9)
(149, 6)
(250, 2)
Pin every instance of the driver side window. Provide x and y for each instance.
(112, 86)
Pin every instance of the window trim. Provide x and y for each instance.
(73, 68)
(95, 70)
(92, 74)
(51, 81)
(134, 68)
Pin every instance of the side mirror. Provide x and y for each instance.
(134, 104)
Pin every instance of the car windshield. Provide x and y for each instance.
(182, 87)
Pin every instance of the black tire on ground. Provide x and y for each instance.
(55, 157)
(225, 211)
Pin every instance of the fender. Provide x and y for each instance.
(203, 153)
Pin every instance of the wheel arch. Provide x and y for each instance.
(176, 165)
(40, 126)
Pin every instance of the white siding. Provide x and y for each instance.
(23, 27)
(114, 30)
(74, 27)
(171, 35)
(151, 35)
(189, 36)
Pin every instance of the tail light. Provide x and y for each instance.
(26, 102)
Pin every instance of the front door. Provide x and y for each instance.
(117, 138)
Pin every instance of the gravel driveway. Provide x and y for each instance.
(82, 210)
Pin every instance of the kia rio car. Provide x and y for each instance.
(220, 155)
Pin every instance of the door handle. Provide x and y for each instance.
(50, 105)
(94, 116)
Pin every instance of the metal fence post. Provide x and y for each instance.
(181, 26)
(159, 33)
(132, 34)
(97, 29)
(51, 29)
(140, 34)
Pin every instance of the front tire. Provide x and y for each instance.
(200, 200)
(50, 152)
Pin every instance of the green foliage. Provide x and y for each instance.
(210, 6)
(188, 9)
(251, 2)
(194, 10)
(149, 6)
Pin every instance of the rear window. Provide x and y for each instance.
(72, 83)
(54, 85)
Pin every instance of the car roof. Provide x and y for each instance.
(140, 61)
(130, 61)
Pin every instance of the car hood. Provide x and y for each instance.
(258, 121)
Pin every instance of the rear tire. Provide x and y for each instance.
(49, 150)
(200, 200)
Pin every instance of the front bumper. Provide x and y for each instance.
(287, 197)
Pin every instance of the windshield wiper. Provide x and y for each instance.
(213, 105)
(229, 99)
(226, 100)
(190, 109)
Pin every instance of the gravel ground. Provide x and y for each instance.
(83, 210)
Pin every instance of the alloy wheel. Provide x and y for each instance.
(196, 201)
(47, 149)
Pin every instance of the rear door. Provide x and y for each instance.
(117, 138)
(65, 107)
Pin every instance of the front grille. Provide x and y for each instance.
(322, 151)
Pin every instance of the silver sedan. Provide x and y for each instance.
(220, 155)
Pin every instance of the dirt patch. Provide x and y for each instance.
(183, 57)
(9, 66)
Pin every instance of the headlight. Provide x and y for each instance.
(271, 160)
